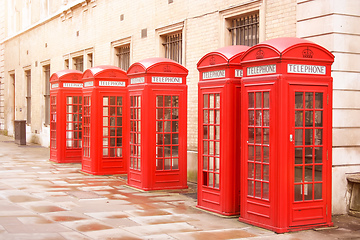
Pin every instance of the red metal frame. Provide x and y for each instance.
(65, 116)
(105, 121)
(291, 190)
(158, 125)
(219, 130)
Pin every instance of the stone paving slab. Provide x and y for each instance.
(40, 199)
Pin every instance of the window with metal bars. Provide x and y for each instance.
(173, 46)
(245, 30)
(28, 96)
(123, 56)
(47, 94)
(79, 63)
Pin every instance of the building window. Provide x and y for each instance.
(79, 63)
(123, 56)
(46, 69)
(173, 46)
(90, 62)
(28, 96)
(245, 30)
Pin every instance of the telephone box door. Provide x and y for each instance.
(310, 121)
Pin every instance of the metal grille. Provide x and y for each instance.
(245, 30)
(123, 54)
(47, 94)
(173, 47)
(28, 96)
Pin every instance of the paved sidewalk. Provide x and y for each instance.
(44, 200)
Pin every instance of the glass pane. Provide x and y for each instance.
(112, 121)
(167, 151)
(298, 174)
(211, 116)
(217, 132)
(175, 113)
(105, 141)
(258, 135)
(258, 153)
(159, 113)
(258, 189)
(175, 126)
(175, 164)
(112, 100)
(266, 136)
(318, 191)
(217, 148)
(211, 103)
(119, 111)
(309, 100)
(250, 170)
(265, 154)
(251, 118)
(119, 122)
(167, 126)
(309, 173)
(206, 116)
(318, 154)
(266, 99)
(251, 152)
(211, 164)
(308, 118)
(105, 152)
(206, 134)
(105, 121)
(298, 193)
(266, 172)
(299, 100)
(251, 100)
(298, 118)
(318, 100)
(251, 135)
(212, 133)
(258, 99)
(318, 136)
(318, 173)
(175, 101)
(250, 188)
(159, 139)
(258, 117)
(266, 118)
(217, 100)
(167, 139)
(205, 147)
(211, 148)
(217, 116)
(308, 155)
(167, 114)
(167, 164)
(318, 118)
(308, 193)
(206, 104)
(298, 137)
(69, 100)
(175, 151)
(298, 155)
(159, 101)
(119, 101)
(308, 136)
(258, 171)
(119, 142)
(217, 164)
(265, 191)
(217, 181)
(211, 180)
(205, 163)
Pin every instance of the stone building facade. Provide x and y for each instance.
(40, 37)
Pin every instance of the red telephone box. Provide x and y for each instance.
(158, 124)
(104, 120)
(66, 116)
(286, 135)
(219, 130)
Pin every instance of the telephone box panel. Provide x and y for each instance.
(219, 130)
(66, 116)
(286, 139)
(105, 105)
(158, 125)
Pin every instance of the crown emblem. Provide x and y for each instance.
(260, 54)
(212, 60)
(112, 74)
(167, 68)
(307, 53)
